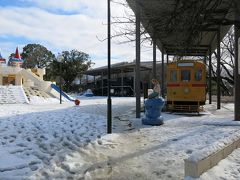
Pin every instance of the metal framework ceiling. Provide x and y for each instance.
(185, 27)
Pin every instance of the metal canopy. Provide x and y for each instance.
(185, 27)
(116, 68)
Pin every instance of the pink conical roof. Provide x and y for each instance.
(17, 55)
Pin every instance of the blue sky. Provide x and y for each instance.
(19, 3)
(62, 25)
(57, 9)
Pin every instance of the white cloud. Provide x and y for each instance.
(94, 8)
(75, 31)
(66, 32)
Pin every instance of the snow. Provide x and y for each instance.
(228, 168)
(42, 100)
(215, 147)
(12, 94)
(48, 140)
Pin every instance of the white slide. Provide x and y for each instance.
(42, 85)
(37, 82)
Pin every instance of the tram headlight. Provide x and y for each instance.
(186, 90)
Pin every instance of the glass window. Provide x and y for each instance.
(198, 75)
(185, 75)
(173, 76)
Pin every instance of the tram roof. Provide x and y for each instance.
(186, 27)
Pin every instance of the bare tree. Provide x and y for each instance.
(226, 63)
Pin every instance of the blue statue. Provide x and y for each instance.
(153, 108)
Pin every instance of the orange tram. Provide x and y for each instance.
(186, 86)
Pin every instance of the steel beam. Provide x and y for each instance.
(109, 101)
(122, 82)
(237, 65)
(192, 46)
(210, 76)
(218, 70)
(134, 82)
(188, 54)
(137, 69)
(102, 82)
(163, 80)
(205, 60)
(154, 59)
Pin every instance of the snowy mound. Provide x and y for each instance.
(41, 100)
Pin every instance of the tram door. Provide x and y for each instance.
(10, 79)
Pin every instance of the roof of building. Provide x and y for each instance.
(185, 28)
(16, 59)
(118, 68)
(2, 60)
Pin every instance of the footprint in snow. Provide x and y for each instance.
(11, 141)
(43, 137)
(3, 143)
(189, 151)
(68, 138)
(45, 174)
(156, 173)
(13, 136)
(33, 167)
(21, 145)
(55, 135)
(16, 151)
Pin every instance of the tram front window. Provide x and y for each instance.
(173, 76)
(198, 75)
(185, 75)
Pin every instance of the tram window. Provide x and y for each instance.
(198, 75)
(185, 75)
(173, 76)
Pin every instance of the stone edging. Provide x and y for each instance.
(196, 168)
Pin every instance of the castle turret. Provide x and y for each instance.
(2, 60)
(16, 60)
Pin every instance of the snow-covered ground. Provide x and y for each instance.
(53, 141)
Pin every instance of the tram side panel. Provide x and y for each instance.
(186, 85)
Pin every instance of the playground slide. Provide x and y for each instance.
(38, 82)
(55, 87)
(45, 86)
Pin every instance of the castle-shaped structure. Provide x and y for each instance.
(28, 82)
(2, 60)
